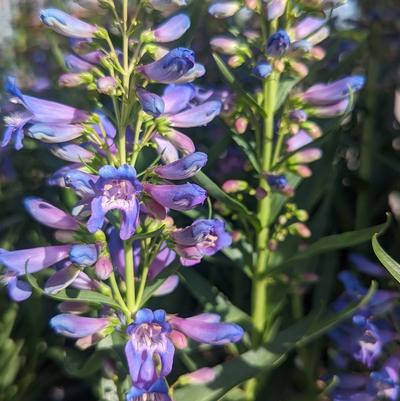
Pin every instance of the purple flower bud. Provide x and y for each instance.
(181, 141)
(83, 255)
(71, 152)
(278, 44)
(167, 287)
(298, 141)
(234, 186)
(275, 9)
(183, 168)
(328, 94)
(103, 268)
(224, 9)
(167, 6)
(225, 45)
(76, 64)
(49, 215)
(307, 26)
(66, 24)
(172, 29)
(177, 197)
(171, 67)
(55, 133)
(70, 80)
(298, 116)
(78, 326)
(152, 104)
(106, 85)
(177, 97)
(207, 328)
(18, 290)
(196, 116)
(61, 279)
(263, 69)
(277, 182)
(200, 376)
(332, 110)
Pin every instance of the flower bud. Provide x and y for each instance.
(263, 69)
(225, 45)
(233, 186)
(103, 267)
(224, 9)
(106, 85)
(275, 9)
(299, 229)
(200, 376)
(83, 255)
(298, 116)
(152, 104)
(278, 44)
(172, 29)
(70, 80)
(241, 124)
(66, 24)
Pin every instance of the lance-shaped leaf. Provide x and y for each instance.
(269, 356)
(387, 261)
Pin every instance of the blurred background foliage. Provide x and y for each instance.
(353, 185)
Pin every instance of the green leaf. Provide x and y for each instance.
(248, 150)
(212, 299)
(252, 363)
(216, 192)
(73, 295)
(232, 81)
(331, 243)
(285, 86)
(388, 262)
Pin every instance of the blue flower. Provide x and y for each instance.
(278, 44)
(158, 391)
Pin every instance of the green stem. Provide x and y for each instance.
(129, 276)
(117, 295)
(142, 287)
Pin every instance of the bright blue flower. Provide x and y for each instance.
(158, 391)
(263, 69)
(152, 104)
(83, 255)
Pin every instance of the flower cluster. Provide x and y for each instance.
(121, 231)
(367, 340)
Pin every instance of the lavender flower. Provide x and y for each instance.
(78, 326)
(67, 25)
(171, 67)
(224, 9)
(202, 238)
(149, 343)
(37, 111)
(157, 391)
(152, 104)
(171, 30)
(116, 189)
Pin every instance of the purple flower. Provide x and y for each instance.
(55, 133)
(197, 71)
(202, 238)
(149, 350)
(277, 181)
(116, 189)
(49, 215)
(177, 97)
(177, 197)
(196, 116)
(333, 93)
(183, 168)
(33, 260)
(70, 80)
(18, 290)
(71, 152)
(152, 104)
(307, 26)
(172, 29)
(225, 45)
(275, 9)
(66, 24)
(76, 64)
(297, 141)
(171, 67)
(78, 326)
(224, 9)
(157, 391)
(207, 328)
(83, 255)
(37, 111)
(278, 44)
(167, 6)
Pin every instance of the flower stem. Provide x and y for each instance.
(129, 276)
(118, 296)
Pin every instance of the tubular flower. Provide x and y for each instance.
(74, 326)
(183, 168)
(171, 30)
(171, 67)
(177, 197)
(202, 238)
(224, 9)
(149, 342)
(66, 24)
(39, 111)
(116, 189)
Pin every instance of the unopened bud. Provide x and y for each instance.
(233, 186)
(241, 125)
(106, 85)
(299, 229)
